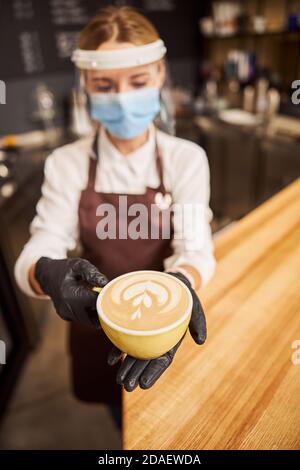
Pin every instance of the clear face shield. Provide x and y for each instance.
(107, 106)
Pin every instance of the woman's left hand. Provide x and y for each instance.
(134, 372)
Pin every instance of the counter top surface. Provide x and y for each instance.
(241, 389)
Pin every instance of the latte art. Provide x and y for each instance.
(146, 300)
(144, 295)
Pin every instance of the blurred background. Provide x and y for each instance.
(232, 67)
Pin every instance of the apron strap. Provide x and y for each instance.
(93, 161)
(159, 167)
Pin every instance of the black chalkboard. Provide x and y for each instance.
(38, 36)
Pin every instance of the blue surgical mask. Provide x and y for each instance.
(126, 114)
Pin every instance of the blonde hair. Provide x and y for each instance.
(122, 24)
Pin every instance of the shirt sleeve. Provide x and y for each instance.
(54, 229)
(192, 243)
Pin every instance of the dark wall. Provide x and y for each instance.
(37, 37)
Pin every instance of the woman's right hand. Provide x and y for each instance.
(69, 283)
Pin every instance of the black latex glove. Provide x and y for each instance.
(69, 282)
(197, 325)
(134, 372)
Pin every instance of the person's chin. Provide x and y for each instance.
(123, 137)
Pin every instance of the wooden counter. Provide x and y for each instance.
(240, 390)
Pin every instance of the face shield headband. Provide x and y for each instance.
(119, 58)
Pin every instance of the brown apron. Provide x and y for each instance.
(93, 379)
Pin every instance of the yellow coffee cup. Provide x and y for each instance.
(144, 287)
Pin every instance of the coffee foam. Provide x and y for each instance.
(145, 300)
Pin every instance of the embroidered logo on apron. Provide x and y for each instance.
(163, 201)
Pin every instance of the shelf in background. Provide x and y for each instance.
(252, 35)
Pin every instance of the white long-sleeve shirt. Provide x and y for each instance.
(55, 230)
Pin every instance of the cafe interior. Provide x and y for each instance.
(233, 87)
